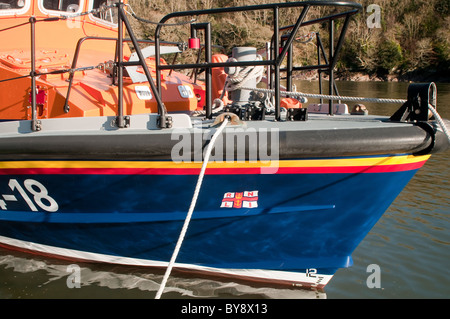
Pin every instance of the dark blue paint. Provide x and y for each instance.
(302, 221)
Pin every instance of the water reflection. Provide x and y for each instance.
(34, 277)
(424, 205)
(410, 243)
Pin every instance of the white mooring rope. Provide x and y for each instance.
(191, 208)
(440, 121)
(241, 76)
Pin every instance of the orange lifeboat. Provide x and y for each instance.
(93, 91)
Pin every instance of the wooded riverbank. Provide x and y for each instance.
(413, 76)
(390, 40)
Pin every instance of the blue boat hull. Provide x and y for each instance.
(302, 219)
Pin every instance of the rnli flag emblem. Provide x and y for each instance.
(245, 199)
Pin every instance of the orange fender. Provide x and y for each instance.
(290, 103)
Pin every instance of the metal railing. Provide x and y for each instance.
(35, 123)
(278, 51)
(121, 119)
(282, 46)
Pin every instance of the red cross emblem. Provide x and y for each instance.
(238, 200)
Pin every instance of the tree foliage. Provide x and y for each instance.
(413, 34)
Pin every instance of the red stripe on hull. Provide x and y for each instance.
(215, 171)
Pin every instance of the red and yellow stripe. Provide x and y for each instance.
(378, 164)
